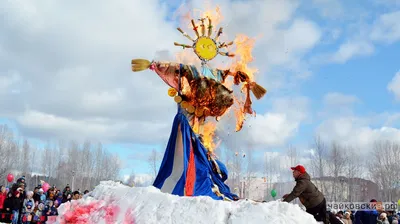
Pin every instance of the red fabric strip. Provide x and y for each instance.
(191, 173)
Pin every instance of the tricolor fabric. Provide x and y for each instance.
(187, 170)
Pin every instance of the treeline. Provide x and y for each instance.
(82, 166)
(346, 164)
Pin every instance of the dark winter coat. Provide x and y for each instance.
(306, 191)
(366, 217)
(12, 204)
(36, 197)
(333, 219)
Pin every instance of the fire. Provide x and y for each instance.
(244, 46)
(208, 136)
(215, 16)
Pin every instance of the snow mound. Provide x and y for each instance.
(112, 202)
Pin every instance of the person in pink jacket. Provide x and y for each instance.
(3, 196)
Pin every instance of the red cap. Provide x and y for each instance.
(299, 168)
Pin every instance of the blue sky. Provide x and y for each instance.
(333, 81)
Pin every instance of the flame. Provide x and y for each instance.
(208, 136)
(244, 47)
(215, 16)
(239, 114)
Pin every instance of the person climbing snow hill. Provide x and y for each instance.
(308, 193)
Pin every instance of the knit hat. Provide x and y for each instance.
(29, 204)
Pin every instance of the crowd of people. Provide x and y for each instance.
(20, 206)
(364, 216)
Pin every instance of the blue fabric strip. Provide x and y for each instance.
(205, 177)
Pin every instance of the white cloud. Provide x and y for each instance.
(387, 28)
(394, 86)
(363, 36)
(332, 9)
(336, 99)
(73, 65)
(357, 132)
(338, 104)
(352, 49)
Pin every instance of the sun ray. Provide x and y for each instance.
(203, 27)
(209, 27)
(185, 34)
(218, 34)
(182, 45)
(195, 28)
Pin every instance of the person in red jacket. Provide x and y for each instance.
(3, 196)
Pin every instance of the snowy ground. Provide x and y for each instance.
(112, 202)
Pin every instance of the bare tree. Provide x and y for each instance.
(25, 157)
(385, 168)
(154, 161)
(318, 158)
(292, 154)
(353, 170)
(337, 162)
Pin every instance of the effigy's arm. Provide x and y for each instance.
(249, 86)
(167, 71)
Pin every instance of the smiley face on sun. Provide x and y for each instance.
(205, 47)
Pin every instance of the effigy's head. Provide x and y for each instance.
(204, 46)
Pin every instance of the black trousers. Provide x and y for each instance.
(319, 212)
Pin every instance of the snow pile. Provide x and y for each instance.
(112, 202)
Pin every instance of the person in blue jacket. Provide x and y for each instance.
(367, 216)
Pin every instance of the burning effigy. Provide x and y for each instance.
(189, 166)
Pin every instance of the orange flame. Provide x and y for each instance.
(244, 47)
(208, 136)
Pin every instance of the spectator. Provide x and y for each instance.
(3, 196)
(308, 193)
(383, 219)
(16, 205)
(367, 216)
(42, 195)
(9, 203)
(36, 195)
(59, 198)
(347, 218)
(76, 195)
(29, 207)
(67, 194)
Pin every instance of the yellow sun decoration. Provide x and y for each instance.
(205, 47)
